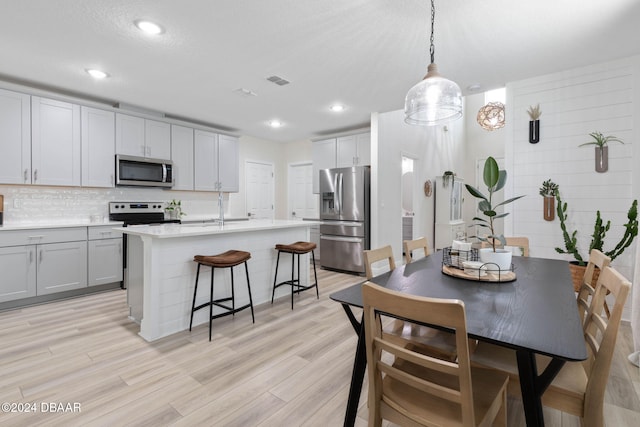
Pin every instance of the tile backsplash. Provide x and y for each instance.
(39, 204)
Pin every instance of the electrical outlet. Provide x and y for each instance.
(17, 204)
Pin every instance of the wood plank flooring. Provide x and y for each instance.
(290, 368)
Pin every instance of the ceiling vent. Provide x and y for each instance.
(278, 80)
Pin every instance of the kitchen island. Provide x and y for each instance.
(161, 273)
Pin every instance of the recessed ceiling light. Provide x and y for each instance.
(275, 123)
(474, 87)
(96, 74)
(149, 27)
(337, 108)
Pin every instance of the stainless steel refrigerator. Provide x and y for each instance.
(344, 211)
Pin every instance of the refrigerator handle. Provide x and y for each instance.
(340, 193)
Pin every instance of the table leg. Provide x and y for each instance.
(357, 377)
(528, 373)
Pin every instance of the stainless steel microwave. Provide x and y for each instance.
(143, 172)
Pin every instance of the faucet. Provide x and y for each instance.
(221, 208)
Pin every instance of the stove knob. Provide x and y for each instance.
(122, 206)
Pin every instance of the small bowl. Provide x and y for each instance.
(474, 268)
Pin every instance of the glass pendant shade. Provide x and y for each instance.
(434, 100)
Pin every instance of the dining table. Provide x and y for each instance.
(532, 313)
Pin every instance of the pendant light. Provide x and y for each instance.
(435, 100)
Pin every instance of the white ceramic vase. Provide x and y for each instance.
(500, 259)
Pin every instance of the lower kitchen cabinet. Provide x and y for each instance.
(105, 256)
(18, 267)
(61, 267)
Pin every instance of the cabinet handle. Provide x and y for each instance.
(40, 236)
(26, 174)
(111, 179)
(40, 260)
(35, 175)
(30, 257)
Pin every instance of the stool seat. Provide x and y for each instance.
(297, 247)
(229, 258)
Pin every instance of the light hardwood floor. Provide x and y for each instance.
(290, 368)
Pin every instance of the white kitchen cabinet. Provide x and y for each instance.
(182, 157)
(136, 136)
(104, 256)
(353, 150)
(98, 147)
(323, 154)
(216, 162)
(61, 267)
(18, 266)
(55, 142)
(15, 137)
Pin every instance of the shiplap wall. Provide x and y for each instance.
(574, 103)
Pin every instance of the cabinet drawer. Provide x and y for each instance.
(39, 236)
(103, 232)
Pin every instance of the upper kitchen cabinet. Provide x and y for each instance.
(15, 138)
(353, 150)
(98, 147)
(216, 162)
(140, 137)
(182, 157)
(324, 157)
(55, 142)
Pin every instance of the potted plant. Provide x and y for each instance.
(600, 229)
(534, 123)
(548, 191)
(602, 149)
(494, 179)
(447, 177)
(174, 209)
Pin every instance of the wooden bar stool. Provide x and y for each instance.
(228, 259)
(297, 248)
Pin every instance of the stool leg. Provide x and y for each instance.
(211, 304)
(195, 291)
(275, 278)
(293, 263)
(246, 269)
(233, 295)
(315, 275)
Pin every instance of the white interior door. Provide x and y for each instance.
(259, 182)
(302, 202)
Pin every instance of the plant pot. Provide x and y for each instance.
(577, 275)
(498, 260)
(602, 159)
(174, 215)
(534, 131)
(549, 208)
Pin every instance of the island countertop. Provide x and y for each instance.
(167, 231)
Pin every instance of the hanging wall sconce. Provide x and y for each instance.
(534, 124)
(491, 116)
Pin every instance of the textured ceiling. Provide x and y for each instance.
(365, 54)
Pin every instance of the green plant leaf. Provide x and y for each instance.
(491, 173)
(502, 180)
(475, 192)
(509, 201)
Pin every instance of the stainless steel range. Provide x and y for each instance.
(136, 213)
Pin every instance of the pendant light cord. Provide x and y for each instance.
(432, 49)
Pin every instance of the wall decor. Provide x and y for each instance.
(602, 149)
(534, 123)
(548, 192)
(491, 116)
(428, 188)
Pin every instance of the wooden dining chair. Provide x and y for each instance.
(520, 243)
(372, 256)
(585, 294)
(407, 387)
(579, 387)
(410, 245)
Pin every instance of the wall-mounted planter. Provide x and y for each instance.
(534, 131)
(549, 208)
(602, 159)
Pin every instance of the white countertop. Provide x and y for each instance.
(57, 224)
(165, 231)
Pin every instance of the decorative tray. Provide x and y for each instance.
(479, 275)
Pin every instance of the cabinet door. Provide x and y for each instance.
(363, 143)
(98, 147)
(18, 266)
(15, 138)
(182, 157)
(346, 151)
(130, 135)
(323, 154)
(157, 138)
(205, 149)
(228, 164)
(61, 267)
(105, 261)
(55, 142)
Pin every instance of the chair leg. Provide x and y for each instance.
(211, 303)
(246, 269)
(195, 291)
(233, 295)
(275, 278)
(293, 263)
(315, 275)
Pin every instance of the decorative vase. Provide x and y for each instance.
(534, 131)
(602, 159)
(500, 260)
(549, 208)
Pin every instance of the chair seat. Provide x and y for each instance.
(297, 247)
(229, 258)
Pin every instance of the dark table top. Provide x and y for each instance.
(536, 312)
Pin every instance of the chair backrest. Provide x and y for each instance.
(585, 293)
(374, 255)
(411, 245)
(520, 243)
(444, 312)
(600, 336)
